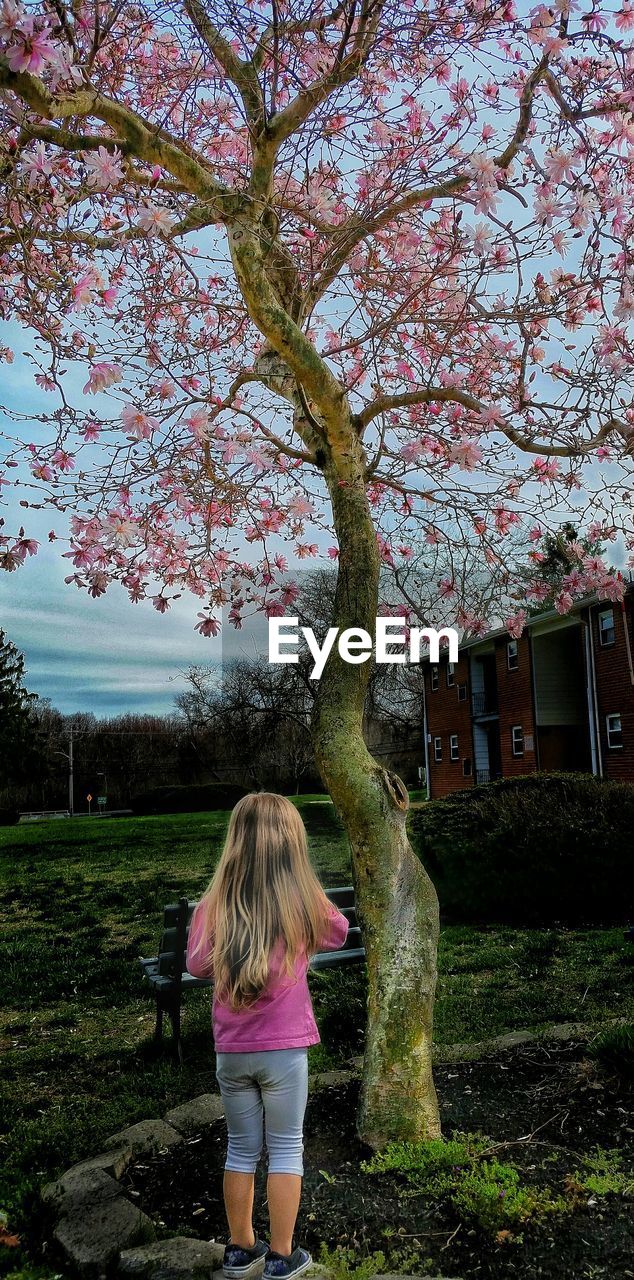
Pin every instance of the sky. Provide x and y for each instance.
(104, 655)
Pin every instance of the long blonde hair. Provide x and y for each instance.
(263, 888)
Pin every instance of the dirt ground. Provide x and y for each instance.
(570, 1105)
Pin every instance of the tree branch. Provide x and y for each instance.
(145, 141)
(384, 404)
(242, 74)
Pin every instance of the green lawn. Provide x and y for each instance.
(82, 900)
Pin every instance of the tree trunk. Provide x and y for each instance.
(396, 900)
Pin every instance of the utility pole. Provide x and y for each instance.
(69, 756)
(71, 788)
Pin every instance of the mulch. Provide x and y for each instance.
(568, 1104)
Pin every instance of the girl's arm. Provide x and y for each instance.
(336, 931)
(198, 965)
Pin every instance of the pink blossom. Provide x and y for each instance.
(26, 546)
(33, 49)
(515, 625)
(546, 469)
(104, 168)
(465, 454)
(42, 471)
(563, 602)
(138, 424)
(37, 164)
(102, 376)
(155, 221)
(63, 460)
(333, 553)
(198, 423)
(207, 626)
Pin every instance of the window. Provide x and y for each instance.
(462, 693)
(450, 674)
(517, 738)
(453, 746)
(434, 677)
(437, 750)
(615, 732)
(512, 660)
(607, 634)
(467, 768)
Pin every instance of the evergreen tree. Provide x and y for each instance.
(561, 553)
(16, 721)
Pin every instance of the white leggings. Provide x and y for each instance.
(271, 1085)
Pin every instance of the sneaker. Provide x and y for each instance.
(277, 1267)
(237, 1261)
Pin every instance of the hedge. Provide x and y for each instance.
(194, 798)
(537, 850)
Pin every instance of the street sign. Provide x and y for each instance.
(89, 798)
(102, 799)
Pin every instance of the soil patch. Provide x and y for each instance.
(568, 1104)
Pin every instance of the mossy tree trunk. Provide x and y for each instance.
(396, 900)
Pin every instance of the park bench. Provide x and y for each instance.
(168, 977)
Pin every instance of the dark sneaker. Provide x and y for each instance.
(277, 1267)
(238, 1262)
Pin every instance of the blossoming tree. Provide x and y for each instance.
(351, 264)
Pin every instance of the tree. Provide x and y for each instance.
(361, 264)
(555, 568)
(16, 716)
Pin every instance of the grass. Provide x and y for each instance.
(82, 900)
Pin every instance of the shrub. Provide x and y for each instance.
(483, 1188)
(532, 850)
(615, 1049)
(193, 798)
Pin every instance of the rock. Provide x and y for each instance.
(198, 1114)
(173, 1259)
(145, 1138)
(93, 1236)
(328, 1079)
(80, 1189)
(114, 1162)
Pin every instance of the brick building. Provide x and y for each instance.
(559, 698)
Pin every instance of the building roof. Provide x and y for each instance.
(547, 615)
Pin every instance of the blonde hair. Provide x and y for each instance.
(263, 888)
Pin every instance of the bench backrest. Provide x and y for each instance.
(177, 920)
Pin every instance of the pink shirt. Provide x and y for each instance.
(282, 1017)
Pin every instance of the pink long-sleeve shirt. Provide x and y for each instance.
(282, 1017)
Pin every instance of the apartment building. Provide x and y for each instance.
(559, 698)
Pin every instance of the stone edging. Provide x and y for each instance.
(104, 1234)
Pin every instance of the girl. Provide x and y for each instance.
(261, 918)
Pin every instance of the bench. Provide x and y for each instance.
(168, 977)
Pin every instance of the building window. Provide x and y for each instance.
(434, 677)
(462, 693)
(467, 767)
(450, 674)
(438, 750)
(453, 746)
(614, 731)
(517, 738)
(607, 634)
(512, 660)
